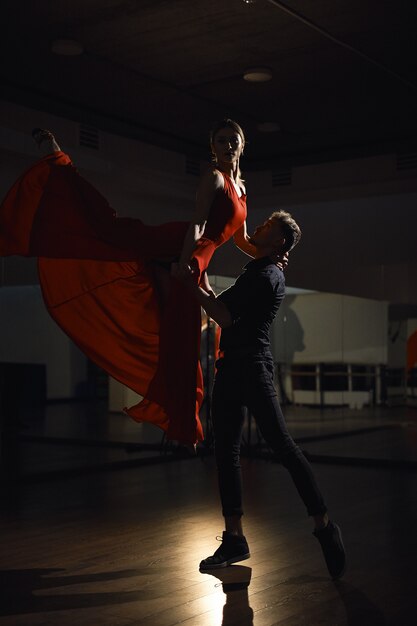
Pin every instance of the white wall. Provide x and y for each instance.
(323, 327)
(313, 327)
(29, 335)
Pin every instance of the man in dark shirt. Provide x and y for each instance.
(245, 378)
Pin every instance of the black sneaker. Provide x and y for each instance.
(233, 548)
(330, 539)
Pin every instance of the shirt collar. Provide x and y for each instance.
(258, 264)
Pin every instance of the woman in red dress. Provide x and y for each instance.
(105, 280)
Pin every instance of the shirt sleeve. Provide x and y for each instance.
(247, 297)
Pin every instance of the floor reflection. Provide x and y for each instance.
(235, 582)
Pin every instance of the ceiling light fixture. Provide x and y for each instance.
(67, 47)
(257, 74)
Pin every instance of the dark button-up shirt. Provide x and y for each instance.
(253, 302)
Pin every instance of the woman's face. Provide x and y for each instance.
(227, 146)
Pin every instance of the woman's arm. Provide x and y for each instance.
(209, 184)
(241, 240)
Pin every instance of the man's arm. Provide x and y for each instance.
(215, 308)
(206, 297)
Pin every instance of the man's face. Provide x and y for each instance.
(268, 235)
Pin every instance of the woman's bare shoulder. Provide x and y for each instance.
(212, 179)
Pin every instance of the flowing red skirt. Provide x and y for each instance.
(100, 284)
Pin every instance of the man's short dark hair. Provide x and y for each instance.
(290, 229)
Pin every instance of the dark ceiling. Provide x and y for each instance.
(163, 70)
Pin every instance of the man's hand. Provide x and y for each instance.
(206, 297)
(282, 261)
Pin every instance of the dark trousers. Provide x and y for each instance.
(248, 382)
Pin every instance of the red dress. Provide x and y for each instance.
(98, 281)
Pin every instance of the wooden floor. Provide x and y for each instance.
(81, 436)
(123, 547)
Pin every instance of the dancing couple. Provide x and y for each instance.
(117, 287)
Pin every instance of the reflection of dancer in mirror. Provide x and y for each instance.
(106, 280)
(244, 378)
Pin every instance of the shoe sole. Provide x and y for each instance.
(243, 557)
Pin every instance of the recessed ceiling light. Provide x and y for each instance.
(67, 47)
(249, 1)
(257, 74)
(268, 127)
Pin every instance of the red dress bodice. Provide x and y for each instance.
(227, 214)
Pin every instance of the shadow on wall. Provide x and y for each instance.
(291, 335)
